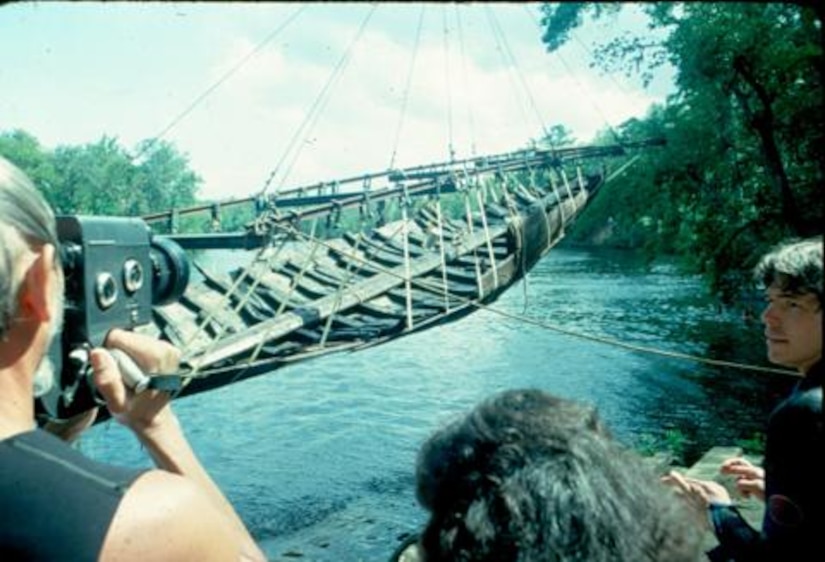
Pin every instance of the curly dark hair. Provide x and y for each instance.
(794, 266)
(529, 477)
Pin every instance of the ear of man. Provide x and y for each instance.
(37, 292)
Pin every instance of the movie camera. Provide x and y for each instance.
(115, 271)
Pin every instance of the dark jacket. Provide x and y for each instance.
(794, 520)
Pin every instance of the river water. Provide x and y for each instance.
(318, 457)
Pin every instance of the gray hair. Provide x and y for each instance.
(795, 267)
(26, 222)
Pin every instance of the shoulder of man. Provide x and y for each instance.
(164, 516)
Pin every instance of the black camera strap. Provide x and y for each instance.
(166, 383)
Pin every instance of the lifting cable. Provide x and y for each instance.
(172, 124)
(315, 109)
(350, 273)
(507, 65)
(466, 84)
(513, 64)
(581, 86)
(634, 347)
(441, 246)
(469, 184)
(406, 93)
(448, 82)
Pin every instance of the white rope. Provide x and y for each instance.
(476, 263)
(558, 200)
(443, 255)
(405, 231)
(492, 256)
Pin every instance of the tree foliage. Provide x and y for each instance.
(743, 167)
(100, 178)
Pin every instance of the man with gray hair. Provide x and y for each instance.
(56, 504)
(792, 480)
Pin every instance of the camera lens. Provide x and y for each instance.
(105, 290)
(170, 270)
(132, 276)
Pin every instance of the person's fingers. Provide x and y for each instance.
(747, 486)
(735, 463)
(108, 381)
(675, 479)
(748, 472)
(691, 490)
(152, 355)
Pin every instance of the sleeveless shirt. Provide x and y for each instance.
(55, 504)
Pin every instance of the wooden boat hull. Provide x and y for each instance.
(308, 298)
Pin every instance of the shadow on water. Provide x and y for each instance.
(319, 457)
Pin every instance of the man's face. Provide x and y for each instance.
(793, 328)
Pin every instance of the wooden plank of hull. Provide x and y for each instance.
(459, 283)
(378, 307)
(462, 268)
(211, 308)
(181, 326)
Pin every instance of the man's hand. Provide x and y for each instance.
(750, 479)
(150, 408)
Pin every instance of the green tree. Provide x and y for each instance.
(162, 180)
(743, 166)
(92, 179)
(25, 152)
(558, 136)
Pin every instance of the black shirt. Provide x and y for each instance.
(55, 504)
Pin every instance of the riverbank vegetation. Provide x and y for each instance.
(743, 165)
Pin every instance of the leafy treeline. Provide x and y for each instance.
(743, 165)
(103, 178)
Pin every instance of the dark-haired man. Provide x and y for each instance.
(792, 480)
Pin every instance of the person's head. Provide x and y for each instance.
(31, 281)
(528, 477)
(791, 275)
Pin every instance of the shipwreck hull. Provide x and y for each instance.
(301, 297)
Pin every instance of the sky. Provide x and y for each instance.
(280, 95)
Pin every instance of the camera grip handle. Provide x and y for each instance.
(133, 376)
(137, 380)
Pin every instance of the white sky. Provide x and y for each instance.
(74, 72)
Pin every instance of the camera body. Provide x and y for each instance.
(115, 271)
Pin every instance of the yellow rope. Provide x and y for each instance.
(634, 347)
(426, 286)
(591, 337)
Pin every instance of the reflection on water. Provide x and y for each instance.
(319, 457)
